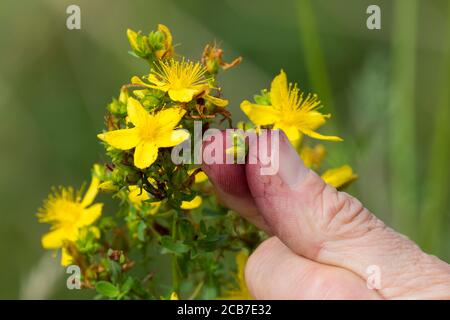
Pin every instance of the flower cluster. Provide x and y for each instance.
(163, 209)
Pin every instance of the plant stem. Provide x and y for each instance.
(402, 151)
(175, 273)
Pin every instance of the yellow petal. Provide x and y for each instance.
(260, 115)
(90, 215)
(167, 34)
(145, 154)
(339, 177)
(91, 193)
(108, 186)
(309, 119)
(194, 203)
(279, 94)
(66, 258)
(291, 131)
(319, 136)
(132, 35)
(169, 118)
(53, 239)
(136, 113)
(182, 95)
(137, 80)
(123, 139)
(137, 195)
(158, 84)
(216, 101)
(174, 296)
(173, 138)
(200, 176)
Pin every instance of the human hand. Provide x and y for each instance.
(323, 241)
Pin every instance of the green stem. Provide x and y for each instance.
(175, 269)
(197, 290)
(402, 131)
(437, 183)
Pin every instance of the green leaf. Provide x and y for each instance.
(174, 246)
(212, 242)
(107, 289)
(114, 269)
(127, 285)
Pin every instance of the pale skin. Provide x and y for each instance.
(322, 240)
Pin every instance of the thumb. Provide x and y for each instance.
(318, 222)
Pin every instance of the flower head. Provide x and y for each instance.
(68, 214)
(289, 111)
(158, 43)
(150, 132)
(182, 80)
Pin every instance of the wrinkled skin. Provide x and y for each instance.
(322, 240)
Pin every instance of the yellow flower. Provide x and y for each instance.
(138, 195)
(339, 177)
(182, 80)
(68, 215)
(194, 203)
(167, 51)
(312, 157)
(174, 296)
(242, 292)
(289, 111)
(138, 42)
(150, 132)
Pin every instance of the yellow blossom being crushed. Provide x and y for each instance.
(68, 215)
(289, 111)
(150, 132)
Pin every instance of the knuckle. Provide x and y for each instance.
(343, 215)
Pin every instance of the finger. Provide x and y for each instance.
(316, 221)
(273, 271)
(230, 184)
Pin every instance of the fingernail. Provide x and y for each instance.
(292, 171)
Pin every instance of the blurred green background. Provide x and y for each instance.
(388, 91)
